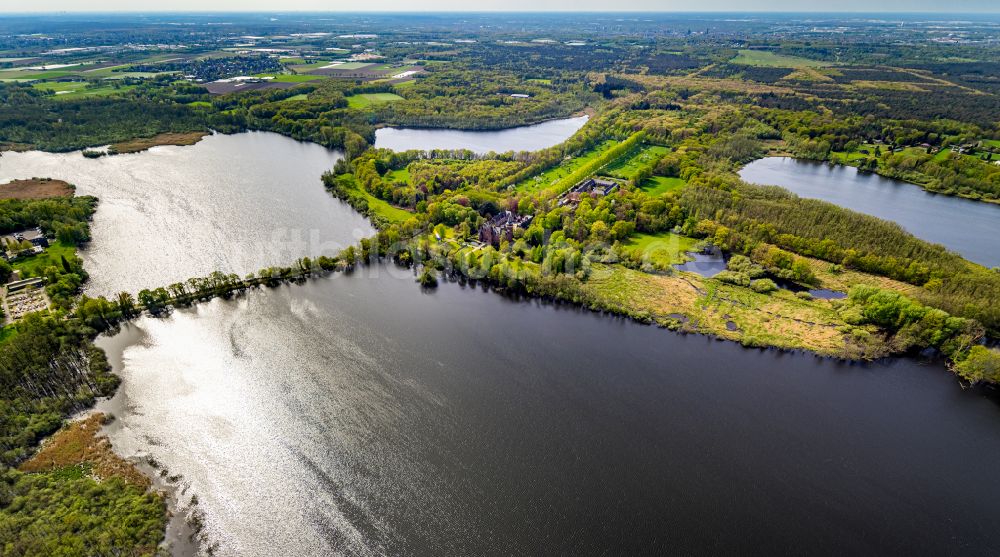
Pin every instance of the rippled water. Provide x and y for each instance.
(967, 227)
(231, 203)
(362, 415)
(525, 138)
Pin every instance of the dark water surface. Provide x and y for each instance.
(967, 227)
(361, 415)
(230, 203)
(524, 138)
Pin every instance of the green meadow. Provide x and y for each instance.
(367, 99)
(771, 60)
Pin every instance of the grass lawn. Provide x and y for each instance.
(662, 250)
(35, 265)
(552, 175)
(299, 97)
(628, 166)
(771, 60)
(205, 104)
(657, 185)
(407, 83)
(367, 99)
(402, 175)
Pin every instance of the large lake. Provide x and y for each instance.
(967, 227)
(231, 203)
(525, 138)
(361, 415)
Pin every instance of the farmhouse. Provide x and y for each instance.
(502, 227)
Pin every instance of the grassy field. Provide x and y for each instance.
(658, 185)
(662, 250)
(383, 208)
(708, 306)
(771, 60)
(299, 97)
(77, 89)
(35, 265)
(204, 104)
(550, 176)
(539, 80)
(367, 99)
(627, 167)
(32, 75)
(402, 175)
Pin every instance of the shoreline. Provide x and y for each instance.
(181, 538)
(787, 155)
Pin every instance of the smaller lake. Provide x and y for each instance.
(961, 225)
(524, 138)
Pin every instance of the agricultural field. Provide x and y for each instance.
(368, 99)
(769, 59)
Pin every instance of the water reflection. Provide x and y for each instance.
(233, 203)
(362, 415)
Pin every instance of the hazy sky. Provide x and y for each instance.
(504, 5)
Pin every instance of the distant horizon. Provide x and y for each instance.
(497, 11)
(896, 7)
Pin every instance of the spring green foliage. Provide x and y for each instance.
(911, 323)
(981, 365)
(597, 163)
(747, 215)
(66, 513)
